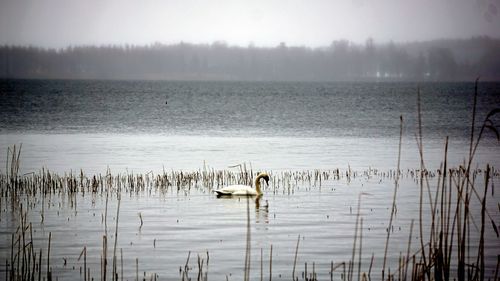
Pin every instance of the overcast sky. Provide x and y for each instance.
(60, 23)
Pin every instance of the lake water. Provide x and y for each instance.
(145, 126)
(91, 125)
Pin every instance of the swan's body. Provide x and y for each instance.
(243, 190)
(236, 190)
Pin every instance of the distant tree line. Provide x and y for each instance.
(438, 60)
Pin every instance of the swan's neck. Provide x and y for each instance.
(257, 185)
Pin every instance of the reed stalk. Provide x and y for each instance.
(407, 260)
(248, 245)
(396, 185)
(271, 263)
(360, 248)
(116, 237)
(295, 258)
(420, 148)
(261, 264)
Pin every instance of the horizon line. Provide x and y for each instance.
(249, 45)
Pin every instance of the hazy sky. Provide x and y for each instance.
(59, 23)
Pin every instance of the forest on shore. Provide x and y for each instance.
(342, 60)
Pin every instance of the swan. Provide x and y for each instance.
(243, 190)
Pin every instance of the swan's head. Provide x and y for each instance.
(264, 176)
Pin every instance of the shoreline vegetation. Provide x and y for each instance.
(436, 60)
(451, 243)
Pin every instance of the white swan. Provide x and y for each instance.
(243, 190)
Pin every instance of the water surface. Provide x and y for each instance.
(155, 127)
